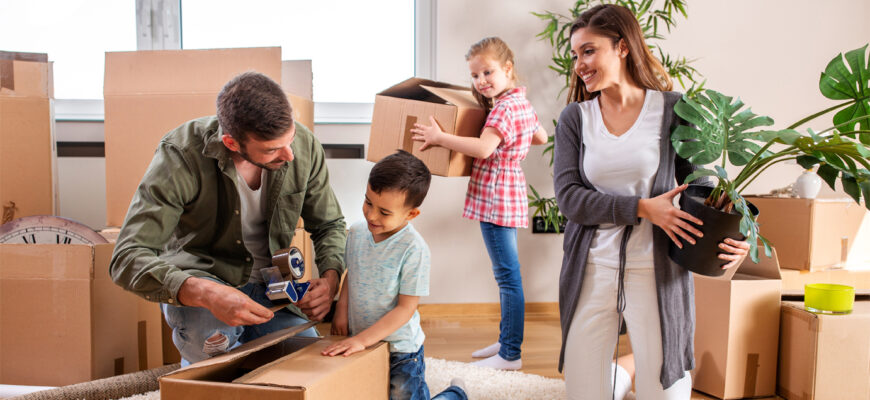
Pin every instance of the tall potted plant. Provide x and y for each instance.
(724, 130)
(654, 21)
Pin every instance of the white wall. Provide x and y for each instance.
(770, 53)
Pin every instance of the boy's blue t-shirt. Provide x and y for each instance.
(377, 273)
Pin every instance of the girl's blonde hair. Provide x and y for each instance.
(617, 22)
(499, 51)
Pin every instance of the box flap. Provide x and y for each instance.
(412, 89)
(308, 368)
(25, 74)
(296, 78)
(458, 97)
(250, 347)
(767, 268)
(185, 71)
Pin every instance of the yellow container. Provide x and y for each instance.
(829, 298)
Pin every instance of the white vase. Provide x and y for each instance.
(807, 185)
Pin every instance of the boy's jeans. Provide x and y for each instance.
(408, 379)
(501, 244)
(198, 335)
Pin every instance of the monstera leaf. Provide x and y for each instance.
(720, 129)
(849, 82)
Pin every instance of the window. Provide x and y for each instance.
(75, 34)
(357, 48)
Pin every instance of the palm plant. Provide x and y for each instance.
(723, 130)
(654, 21)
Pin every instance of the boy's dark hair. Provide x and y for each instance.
(403, 172)
(252, 103)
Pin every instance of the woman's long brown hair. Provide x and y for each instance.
(617, 22)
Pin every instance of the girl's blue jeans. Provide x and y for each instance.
(501, 244)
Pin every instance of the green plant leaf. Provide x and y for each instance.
(721, 128)
(720, 172)
(850, 186)
(865, 190)
(806, 161)
(700, 172)
(829, 175)
(840, 82)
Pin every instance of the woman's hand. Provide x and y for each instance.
(736, 252)
(430, 135)
(661, 212)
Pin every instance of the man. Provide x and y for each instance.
(221, 195)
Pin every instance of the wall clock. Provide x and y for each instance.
(48, 229)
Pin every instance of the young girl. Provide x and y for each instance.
(497, 190)
(615, 174)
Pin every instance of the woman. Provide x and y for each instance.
(615, 177)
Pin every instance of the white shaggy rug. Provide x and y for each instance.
(480, 383)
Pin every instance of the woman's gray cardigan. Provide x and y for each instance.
(586, 208)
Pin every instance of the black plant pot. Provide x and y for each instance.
(703, 257)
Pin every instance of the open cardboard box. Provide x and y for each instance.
(815, 234)
(28, 155)
(737, 330)
(152, 328)
(282, 366)
(824, 356)
(149, 93)
(412, 101)
(62, 319)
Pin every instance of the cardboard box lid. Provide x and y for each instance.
(306, 368)
(246, 349)
(767, 268)
(861, 310)
(157, 71)
(25, 74)
(432, 92)
(297, 78)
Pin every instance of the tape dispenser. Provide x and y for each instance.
(288, 277)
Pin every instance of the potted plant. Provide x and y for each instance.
(726, 131)
(557, 32)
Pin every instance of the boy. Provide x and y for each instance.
(388, 271)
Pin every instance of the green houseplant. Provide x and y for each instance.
(654, 21)
(726, 131)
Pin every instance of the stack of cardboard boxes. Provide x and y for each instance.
(63, 320)
(820, 356)
(28, 156)
(750, 344)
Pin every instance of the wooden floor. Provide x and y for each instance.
(454, 331)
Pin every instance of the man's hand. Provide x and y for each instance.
(347, 347)
(317, 301)
(226, 303)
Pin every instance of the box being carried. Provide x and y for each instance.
(815, 234)
(398, 108)
(737, 330)
(282, 366)
(824, 356)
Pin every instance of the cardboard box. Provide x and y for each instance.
(737, 330)
(824, 356)
(280, 366)
(414, 100)
(814, 234)
(28, 155)
(62, 319)
(149, 93)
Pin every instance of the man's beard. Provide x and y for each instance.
(244, 154)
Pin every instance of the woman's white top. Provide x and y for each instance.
(623, 165)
